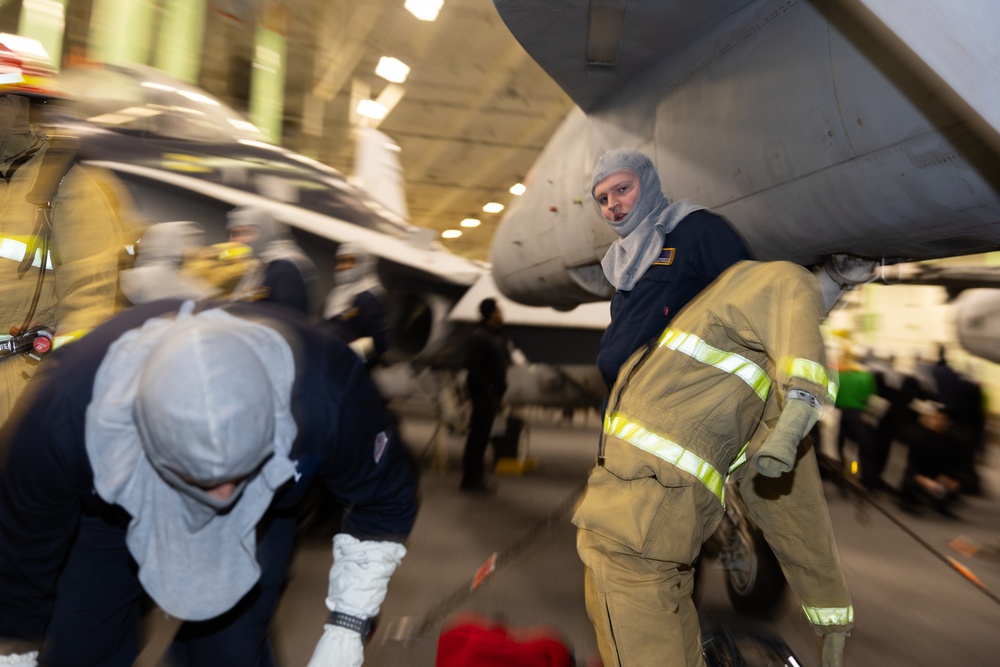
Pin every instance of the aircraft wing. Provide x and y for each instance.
(183, 155)
(407, 250)
(954, 278)
(158, 133)
(594, 49)
(590, 316)
(858, 128)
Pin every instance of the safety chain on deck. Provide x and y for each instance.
(864, 494)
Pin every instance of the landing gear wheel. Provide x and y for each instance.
(754, 579)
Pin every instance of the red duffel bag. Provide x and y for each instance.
(479, 642)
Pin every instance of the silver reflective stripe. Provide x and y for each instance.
(59, 341)
(14, 249)
(829, 615)
(730, 362)
(619, 426)
(741, 458)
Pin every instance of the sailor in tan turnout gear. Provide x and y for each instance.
(738, 377)
(71, 285)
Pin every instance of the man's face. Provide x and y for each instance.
(224, 492)
(245, 234)
(617, 194)
(496, 319)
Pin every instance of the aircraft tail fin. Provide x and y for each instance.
(377, 170)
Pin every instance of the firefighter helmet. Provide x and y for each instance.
(25, 68)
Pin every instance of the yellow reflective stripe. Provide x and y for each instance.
(829, 615)
(730, 362)
(741, 458)
(59, 341)
(232, 250)
(813, 372)
(11, 248)
(619, 426)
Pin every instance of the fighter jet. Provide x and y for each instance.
(182, 154)
(826, 131)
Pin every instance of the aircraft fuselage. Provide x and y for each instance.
(811, 132)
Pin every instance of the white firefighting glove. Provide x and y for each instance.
(363, 347)
(359, 580)
(20, 659)
(833, 650)
(776, 455)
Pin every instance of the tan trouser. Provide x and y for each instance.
(638, 540)
(15, 371)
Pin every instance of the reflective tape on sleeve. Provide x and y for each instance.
(813, 372)
(832, 387)
(829, 615)
(619, 426)
(729, 362)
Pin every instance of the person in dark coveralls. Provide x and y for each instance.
(355, 306)
(487, 360)
(962, 399)
(166, 453)
(667, 253)
(284, 274)
(157, 273)
(933, 462)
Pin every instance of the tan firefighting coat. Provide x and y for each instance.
(79, 289)
(680, 416)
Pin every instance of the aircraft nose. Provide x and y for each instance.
(540, 259)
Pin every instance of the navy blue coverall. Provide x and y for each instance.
(699, 248)
(284, 283)
(66, 575)
(365, 318)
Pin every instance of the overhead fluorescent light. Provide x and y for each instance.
(425, 10)
(451, 234)
(372, 109)
(391, 69)
(493, 207)
(517, 189)
(470, 222)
